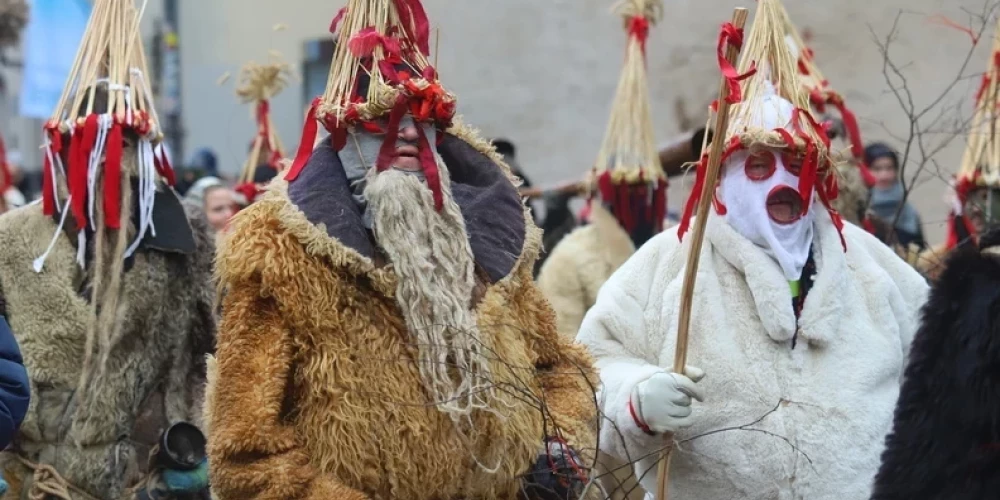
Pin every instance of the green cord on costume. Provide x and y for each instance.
(794, 285)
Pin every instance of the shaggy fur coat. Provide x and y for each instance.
(580, 264)
(317, 395)
(777, 422)
(154, 375)
(945, 442)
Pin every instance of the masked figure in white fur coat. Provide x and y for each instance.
(801, 323)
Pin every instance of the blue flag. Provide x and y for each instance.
(52, 39)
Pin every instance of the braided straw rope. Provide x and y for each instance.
(46, 483)
(628, 150)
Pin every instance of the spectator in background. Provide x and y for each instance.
(214, 197)
(559, 220)
(887, 197)
(14, 391)
(204, 163)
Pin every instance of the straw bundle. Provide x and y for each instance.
(104, 134)
(628, 152)
(258, 85)
(370, 38)
(981, 161)
(766, 48)
(822, 95)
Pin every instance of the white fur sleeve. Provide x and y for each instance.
(616, 331)
(913, 288)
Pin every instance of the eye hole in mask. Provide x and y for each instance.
(793, 163)
(760, 165)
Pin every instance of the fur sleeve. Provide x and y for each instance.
(186, 383)
(560, 282)
(254, 453)
(912, 287)
(616, 332)
(944, 438)
(564, 370)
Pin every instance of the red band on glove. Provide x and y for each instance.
(638, 422)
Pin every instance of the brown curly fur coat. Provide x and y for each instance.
(316, 394)
(155, 371)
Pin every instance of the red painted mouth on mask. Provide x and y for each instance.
(784, 205)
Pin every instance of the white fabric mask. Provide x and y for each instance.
(746, 186)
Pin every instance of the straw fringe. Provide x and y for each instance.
(980, 165)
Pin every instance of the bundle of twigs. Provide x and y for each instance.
(981, 161)
(259, 83)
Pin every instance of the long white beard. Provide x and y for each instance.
(434, 264)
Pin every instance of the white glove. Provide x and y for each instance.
(662, 402)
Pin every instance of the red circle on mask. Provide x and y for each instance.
(793, 162)
(760, 166)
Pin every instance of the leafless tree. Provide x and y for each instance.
(934, 125)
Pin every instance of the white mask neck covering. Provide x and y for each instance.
(746, 200)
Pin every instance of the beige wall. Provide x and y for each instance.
(543, 71)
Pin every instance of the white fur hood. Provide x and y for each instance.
(778, 423)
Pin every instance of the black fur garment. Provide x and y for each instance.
(945, 442)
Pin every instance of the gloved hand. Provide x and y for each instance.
(165, 483)
(662, 403)
(558, 474)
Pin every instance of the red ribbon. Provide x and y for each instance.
(113, 178)
(731, 35)
(364, 43)
(48, 181)
(80, 148)
(309, 131)
(336, 20)
(699, 185)
(164, 168)
(638, 27)
(987, 78)
(952, 239)
(431, 173)
(8, 178)
(415, 23)
(854, 135)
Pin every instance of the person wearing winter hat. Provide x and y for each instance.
(887, 197)
(800, 324)
(382, 336)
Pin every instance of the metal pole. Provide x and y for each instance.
(171, 74)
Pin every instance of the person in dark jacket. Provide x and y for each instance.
(14, 393)
(945, 440)
(888, 198)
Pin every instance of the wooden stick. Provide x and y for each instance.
(697, 238)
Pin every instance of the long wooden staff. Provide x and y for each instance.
(697, 238)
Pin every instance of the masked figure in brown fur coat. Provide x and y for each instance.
(114, 318)
(381, 333)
